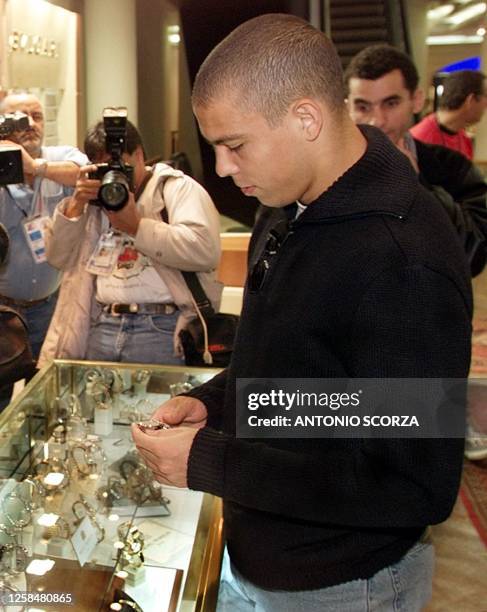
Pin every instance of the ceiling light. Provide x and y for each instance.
(440, 11)
(467, 13)
(480, 32)
(453, 39)
(173, 35)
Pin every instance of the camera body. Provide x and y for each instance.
(13, 122)
(11, 169)
(116, 176)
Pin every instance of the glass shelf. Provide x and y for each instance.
(119, 534)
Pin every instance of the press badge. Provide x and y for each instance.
(105, 256)
(34, 232)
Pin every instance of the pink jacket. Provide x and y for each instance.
(190, 242)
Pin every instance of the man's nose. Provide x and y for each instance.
(377, 117)
(31, 121)
(224, 165)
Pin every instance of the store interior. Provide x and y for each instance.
(79, 56)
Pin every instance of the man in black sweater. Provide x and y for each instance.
(367, 281)
(381, 86)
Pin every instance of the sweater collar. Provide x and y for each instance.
(382, 181)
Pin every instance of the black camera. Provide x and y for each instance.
(13, 122)
(11, 169)
(116, 176)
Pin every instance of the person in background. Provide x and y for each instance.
(349, 279)
(461, 104)
(381, 84)
(381, 88)
(131, 300)
(28, 282)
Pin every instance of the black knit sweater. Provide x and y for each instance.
(371, 283)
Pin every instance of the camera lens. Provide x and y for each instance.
(114, 190)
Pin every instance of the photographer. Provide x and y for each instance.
(28, 283)
(129, 301)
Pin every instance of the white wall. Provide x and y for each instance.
(110, 57)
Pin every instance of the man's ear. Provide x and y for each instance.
(469, 100)
(309, 114)
(418, 100)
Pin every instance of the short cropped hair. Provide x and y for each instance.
(458, 86)
(269, 62)
(375, 61)
(95, 140)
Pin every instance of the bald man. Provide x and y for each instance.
(27, 282)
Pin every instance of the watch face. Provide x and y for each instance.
(4, 243)
(152, 424)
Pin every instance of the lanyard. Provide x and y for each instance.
(36, 207)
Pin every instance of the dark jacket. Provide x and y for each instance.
(371, 282)
(462, 191)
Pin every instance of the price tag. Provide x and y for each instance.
(84, 540)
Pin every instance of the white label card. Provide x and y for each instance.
(34, 233)
(84, 540)
(105, 256)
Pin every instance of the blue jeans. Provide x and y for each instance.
(134, 338)
(405, 587)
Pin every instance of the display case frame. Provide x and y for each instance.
(26, 431)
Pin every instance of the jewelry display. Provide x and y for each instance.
(8, 531)
(81, 508)
(31, 492)
(113, 491)
(82, 495)
(131, 557)
(144, 408)
(13, 558)
(124, 603)
(16, 511)
(52, 474)
(140, 380)
(88, 458)
(142, 488)
(103, 417)
(179, 387)
(76, 425)
(59, 434)
(60, 529)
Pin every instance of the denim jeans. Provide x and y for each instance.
(134, 338)
(405, 587)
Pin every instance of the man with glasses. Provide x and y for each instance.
(461, 104)
(347, 280)
(28, 282)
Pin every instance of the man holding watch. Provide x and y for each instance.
(28, 282)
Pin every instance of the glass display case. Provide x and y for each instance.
(83, 525)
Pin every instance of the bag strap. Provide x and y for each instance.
(192, 280)
(14, 313)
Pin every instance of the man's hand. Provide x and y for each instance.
(166, 452)
(127, 219)
(182, 410)
(86, 189)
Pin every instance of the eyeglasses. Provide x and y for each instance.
(275, 239)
